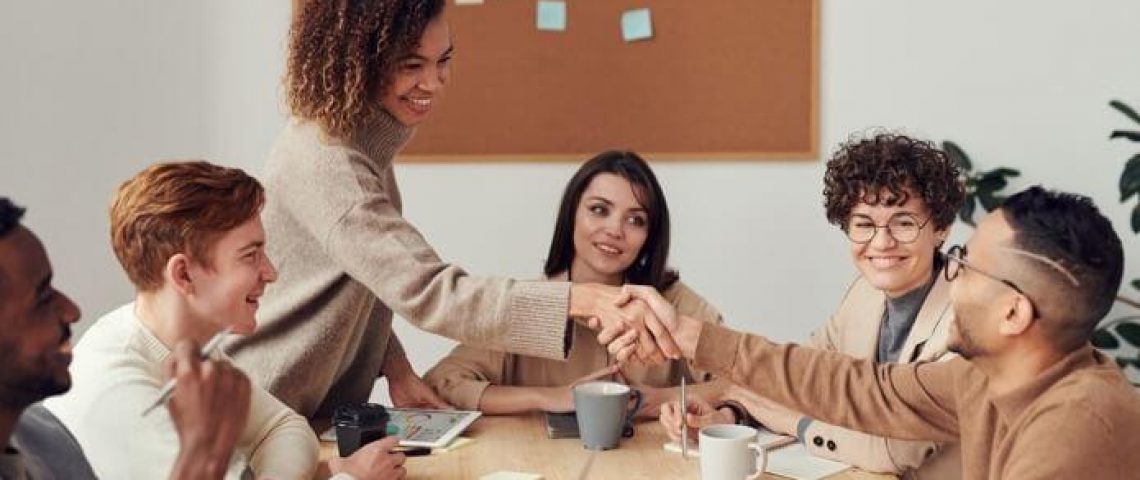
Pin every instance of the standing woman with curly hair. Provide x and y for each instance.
(361, 75)
(894, 197)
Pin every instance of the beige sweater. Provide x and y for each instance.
(348, 259)
(854, 330)
(119, 370)
(1078, 419)
(462, 376)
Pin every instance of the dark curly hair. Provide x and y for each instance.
(342, 54)
(863, 168)
(1071, 231)
(10, 215)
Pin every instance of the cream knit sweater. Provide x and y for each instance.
(348, 259)
(118, 372)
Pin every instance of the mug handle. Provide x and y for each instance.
(761, 460)
(627, 429)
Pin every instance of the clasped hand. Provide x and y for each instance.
(634, 322)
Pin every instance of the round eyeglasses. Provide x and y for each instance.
(903, 227)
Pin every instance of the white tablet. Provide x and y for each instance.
(423, 428)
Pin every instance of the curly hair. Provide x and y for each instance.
(10, 215)
(864, 168)
(342, 54)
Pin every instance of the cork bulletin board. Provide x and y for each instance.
(719, 79)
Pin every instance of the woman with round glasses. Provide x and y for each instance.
(894, 197)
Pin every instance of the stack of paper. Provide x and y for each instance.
(794, 461)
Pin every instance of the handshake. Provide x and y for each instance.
(634, 322)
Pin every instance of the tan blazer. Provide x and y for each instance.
(462, 376)
(854, 330)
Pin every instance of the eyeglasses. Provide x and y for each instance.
(956, 260)
(903, 227)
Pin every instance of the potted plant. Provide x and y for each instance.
(1120, 337)
(983, 187)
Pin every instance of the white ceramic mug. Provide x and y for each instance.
(730, 452)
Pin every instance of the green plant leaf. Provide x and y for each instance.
(988, 200)
(1130, 332)
(957, 155)
(1130, 178)
(990, 183)
(1129, 134)
(1103, 340)
(967, 211)
(1006, 172)
(1125, 109)
(1136, 219)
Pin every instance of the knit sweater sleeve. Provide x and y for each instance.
(914, 401)
(281, 442)
(343, 199)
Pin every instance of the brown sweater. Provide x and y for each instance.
(348, 259)
(1078, 419)
(462, 376)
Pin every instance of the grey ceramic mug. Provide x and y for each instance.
(604, 412)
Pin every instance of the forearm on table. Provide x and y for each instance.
(506, 400)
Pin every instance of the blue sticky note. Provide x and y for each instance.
(551, 15)
(636, 25)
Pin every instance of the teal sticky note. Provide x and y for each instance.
(551, 15)
(636, 25)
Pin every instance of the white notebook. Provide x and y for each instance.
(794, 461)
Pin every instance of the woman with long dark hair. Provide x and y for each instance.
(612, 228)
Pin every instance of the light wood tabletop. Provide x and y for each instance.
(519, 443)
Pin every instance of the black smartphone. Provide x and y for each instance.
(561, 425)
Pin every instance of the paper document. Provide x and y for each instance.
(794, 461)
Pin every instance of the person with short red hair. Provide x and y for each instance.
(189, 236)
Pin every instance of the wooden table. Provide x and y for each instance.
(519, 443)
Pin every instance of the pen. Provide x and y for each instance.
(414, 451)
(168, 389)
(684, 423)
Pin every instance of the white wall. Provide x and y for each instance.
(96, 90)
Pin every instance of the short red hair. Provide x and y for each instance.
(178, 207)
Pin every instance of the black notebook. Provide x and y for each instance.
(561, 425)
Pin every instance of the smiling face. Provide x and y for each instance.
(35, 323)
(226, 293)
(420, 77)
(892, 266)
(610, 227)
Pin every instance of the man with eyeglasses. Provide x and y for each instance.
(894, 197)
(1029, 397)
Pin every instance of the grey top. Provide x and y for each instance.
(898, 317)
(43, 449)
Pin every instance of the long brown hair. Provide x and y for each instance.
(650, 266)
